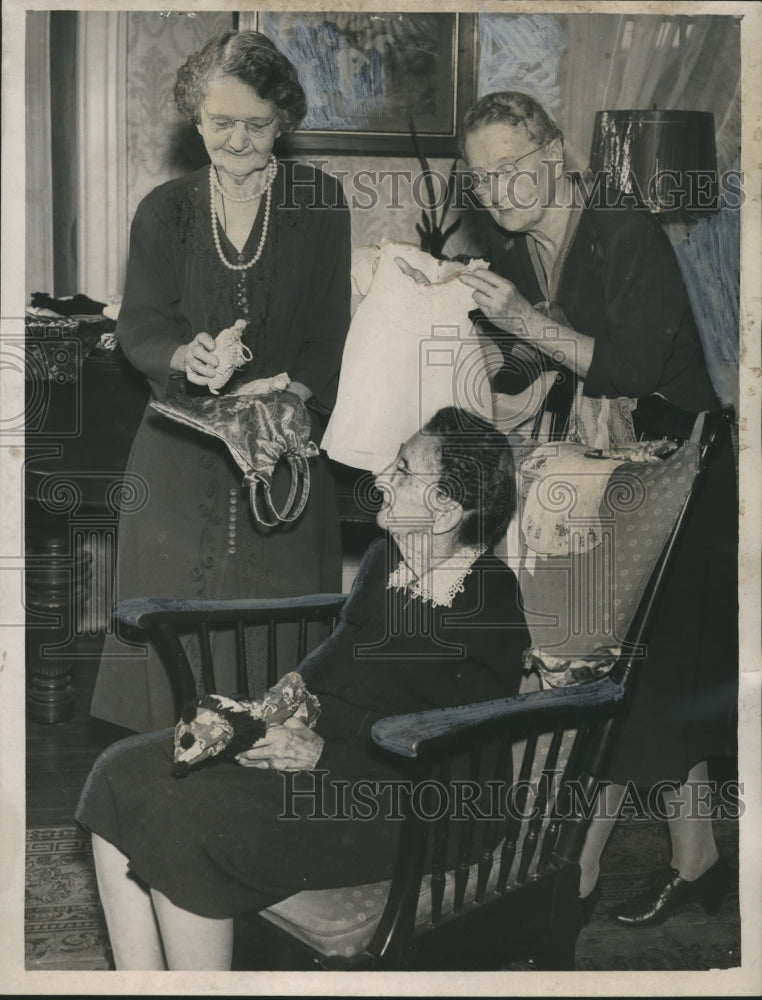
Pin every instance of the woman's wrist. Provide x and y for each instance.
(177, 361)
(536, 324)
(567, 347)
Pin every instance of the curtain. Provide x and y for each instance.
(710, 263)
(620, 62)
(39, 166)
(625, 61)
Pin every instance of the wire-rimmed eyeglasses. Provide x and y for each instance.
(222, 124)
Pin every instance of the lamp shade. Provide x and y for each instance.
(665, 160)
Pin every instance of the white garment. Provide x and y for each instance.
(411, 349)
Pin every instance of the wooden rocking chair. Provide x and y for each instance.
(548, 747)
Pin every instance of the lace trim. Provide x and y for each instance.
(439, 585)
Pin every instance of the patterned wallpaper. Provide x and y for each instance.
(160, 143)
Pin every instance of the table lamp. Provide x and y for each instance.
(664, 160)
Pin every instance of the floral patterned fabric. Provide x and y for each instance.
(209, 728)
(564, 671)
(259, 430)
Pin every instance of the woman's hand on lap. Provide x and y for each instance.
(288, 747)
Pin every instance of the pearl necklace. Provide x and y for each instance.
(272, 170)
(272, 162)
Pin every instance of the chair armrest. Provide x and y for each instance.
(136, 610)
(439, 729)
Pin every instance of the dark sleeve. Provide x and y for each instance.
(328, 292)
(645, 300)
(329, 662)
(147, 329)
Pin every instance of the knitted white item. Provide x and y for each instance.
(440, 584)
(231, 352)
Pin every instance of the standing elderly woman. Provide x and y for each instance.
(621, 321)
(440, 619)
(246, 238)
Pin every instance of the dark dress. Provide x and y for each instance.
(194, 536)
(213, 841)
(621, 284)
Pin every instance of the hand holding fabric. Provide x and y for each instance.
(500, 302)
(503, 304)
(197, 359)
(291, 746)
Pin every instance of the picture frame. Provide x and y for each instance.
(371, 72)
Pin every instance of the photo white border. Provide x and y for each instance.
(746, 980)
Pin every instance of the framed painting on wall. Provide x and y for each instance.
(367, 74)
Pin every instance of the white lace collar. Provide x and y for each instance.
(439, 585)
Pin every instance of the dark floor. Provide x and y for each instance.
(59, 758)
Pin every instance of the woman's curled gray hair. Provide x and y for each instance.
(511, 107)
(251, 58)
(477, 471)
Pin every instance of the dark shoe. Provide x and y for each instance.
(670, 894)
(585, 906)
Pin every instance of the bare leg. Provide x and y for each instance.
(694, 850)
(597, 837)
(191, 941)
(132, 927)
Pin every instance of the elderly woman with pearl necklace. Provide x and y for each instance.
(245, 238)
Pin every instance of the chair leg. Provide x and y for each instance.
(555, 950)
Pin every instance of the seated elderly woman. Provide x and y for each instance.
(433, 620)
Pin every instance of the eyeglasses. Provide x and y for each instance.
(430, 481)
(427, 481)
(222, 125)
(482, 180)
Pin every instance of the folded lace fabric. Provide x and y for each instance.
(259, 430)
(214, 725)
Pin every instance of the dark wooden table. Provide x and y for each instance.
(83, 404)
